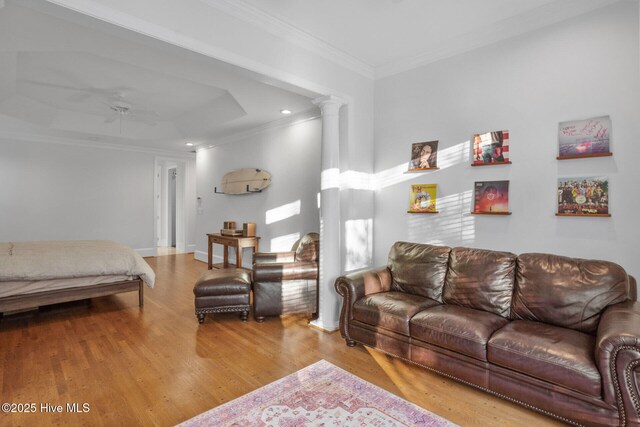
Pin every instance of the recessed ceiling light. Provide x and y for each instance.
(189, 144)
(285, 112)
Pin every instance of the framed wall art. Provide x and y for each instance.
(584, 138)
(491, 198)
(491, 148)
(424, 156)
(422, 198)
(583, 196)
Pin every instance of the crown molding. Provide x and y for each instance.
(541, 17)
(292, 34)
(24, 137)
(285, 122)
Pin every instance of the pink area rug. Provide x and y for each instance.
(319, 395)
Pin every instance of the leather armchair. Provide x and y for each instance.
(286, 282)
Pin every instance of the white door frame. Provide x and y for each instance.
(160, 170)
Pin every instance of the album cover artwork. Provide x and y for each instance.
(423, 198)
(424, 155)
(491, 147)
(583, 195)
(584, 137)
(491, 197)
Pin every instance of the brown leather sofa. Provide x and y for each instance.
(286, 282)
(558, 335)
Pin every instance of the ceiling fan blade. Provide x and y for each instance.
(115, 92)
(145, 114)
(79, 97)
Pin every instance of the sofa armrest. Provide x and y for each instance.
(264, 257)
(279, 271)
(618, 358)
(354, 286)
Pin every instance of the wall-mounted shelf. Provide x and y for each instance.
(415, 170)
(423, 212)
(215, 190)
(490, 164)
(576, 214)
(490, 213)
(582, 156)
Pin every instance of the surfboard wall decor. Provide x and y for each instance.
(244, 181)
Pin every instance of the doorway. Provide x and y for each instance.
(170, 220)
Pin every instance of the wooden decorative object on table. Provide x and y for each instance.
(249, 229)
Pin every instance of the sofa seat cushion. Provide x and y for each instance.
(390, 310)
(558, 355)
(457, 328)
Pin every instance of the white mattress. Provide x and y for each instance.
(21, 287)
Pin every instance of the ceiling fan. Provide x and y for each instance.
(120, 108)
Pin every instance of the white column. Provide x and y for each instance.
(330, 269)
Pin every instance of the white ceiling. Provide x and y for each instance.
(66, 75)
(390, 36)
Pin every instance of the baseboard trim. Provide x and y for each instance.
(201, 256)
(204, 257)
(318, 324)
(147, 252)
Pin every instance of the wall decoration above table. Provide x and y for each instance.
(423, 198)
(491, 148)
(584, 138)
(424, 156)
(583, 196)
(491, 198)
(244, 181)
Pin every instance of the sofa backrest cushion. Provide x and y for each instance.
(418, 268)
(567, 292)
(481, 279)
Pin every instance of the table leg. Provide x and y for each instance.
(225, 263)
(210, 252)
(238, 256)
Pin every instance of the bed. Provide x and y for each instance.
(34, 274)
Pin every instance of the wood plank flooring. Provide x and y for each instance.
(156, 366)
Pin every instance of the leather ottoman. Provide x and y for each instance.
(222, 291)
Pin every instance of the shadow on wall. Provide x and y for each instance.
(454, 225)
(359, 243)
(448, 157)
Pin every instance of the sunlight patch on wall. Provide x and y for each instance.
(358, 243)
(284, 243)
(453, 226)
(450, 156)
(353, 180)
(330, 178)
(392, 176)
(282, 212)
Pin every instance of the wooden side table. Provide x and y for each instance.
(239, 243)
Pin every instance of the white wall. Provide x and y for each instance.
(64, 192)
(285, 210)
(581, 68)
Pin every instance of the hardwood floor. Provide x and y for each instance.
(156, 366)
